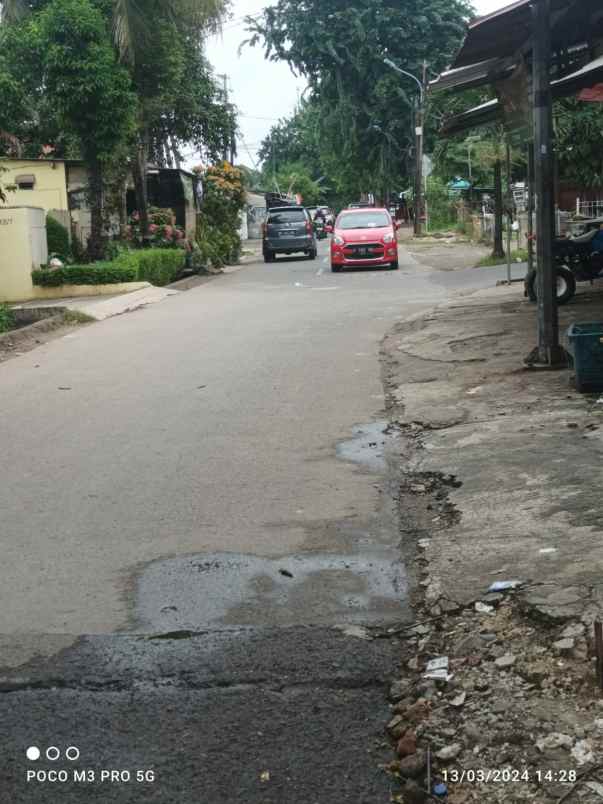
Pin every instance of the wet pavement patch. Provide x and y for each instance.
(370, 447)
(198, 591)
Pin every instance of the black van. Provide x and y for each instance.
(288, 230)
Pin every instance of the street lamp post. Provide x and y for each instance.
(419, 139)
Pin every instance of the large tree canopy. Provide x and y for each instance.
(139, 80)
(365, 108)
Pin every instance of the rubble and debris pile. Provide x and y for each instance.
(498, 707)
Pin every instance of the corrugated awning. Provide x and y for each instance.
(478, 116)
(506, 32)
(490, 112)
(473, 75)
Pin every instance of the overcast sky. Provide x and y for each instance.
(264, 91)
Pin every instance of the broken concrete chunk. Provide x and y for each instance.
(582, 752)
(508, 660)
(564, 646)
(573, 631)
(553, 741)
(459, 700)
(449, 752)
(483, 608)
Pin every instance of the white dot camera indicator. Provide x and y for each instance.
(52, 753)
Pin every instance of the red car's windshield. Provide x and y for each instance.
(363, 220)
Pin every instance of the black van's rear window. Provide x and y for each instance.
(287, 216)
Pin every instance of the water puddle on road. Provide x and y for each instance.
(365, 585)
(232, 589)
(369, 447)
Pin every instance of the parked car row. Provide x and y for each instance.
(362, 237)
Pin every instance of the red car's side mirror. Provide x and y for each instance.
(397, 225)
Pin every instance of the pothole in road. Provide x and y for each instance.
(366, 585)
(194, 592)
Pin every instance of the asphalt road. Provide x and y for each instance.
(197, 519)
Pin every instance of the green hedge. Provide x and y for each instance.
(57, 238)
(98, 273)
(159, 266)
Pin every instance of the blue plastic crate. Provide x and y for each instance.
(586, 344)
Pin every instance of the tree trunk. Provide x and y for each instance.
(498, 250)
(97, 241)
(139, 171)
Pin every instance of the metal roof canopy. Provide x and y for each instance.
(543, 28)
(473, 75)
(490, 111)
(504, 33)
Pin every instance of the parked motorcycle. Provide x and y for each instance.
(577, 259)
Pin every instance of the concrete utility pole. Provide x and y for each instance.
(420, 134)
(419, 139)
(548, 352)
(228, 152)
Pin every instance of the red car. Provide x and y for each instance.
(364, 237)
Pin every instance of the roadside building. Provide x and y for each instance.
(59, 187)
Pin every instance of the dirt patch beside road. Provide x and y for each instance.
(505, 463)
(444, 253)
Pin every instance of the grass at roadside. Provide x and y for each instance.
(6, 318)
(521, 255)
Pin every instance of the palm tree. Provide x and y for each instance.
(133, 23)
(129, 16)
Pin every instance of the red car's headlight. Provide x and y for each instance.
(388, 238)
(338, 240)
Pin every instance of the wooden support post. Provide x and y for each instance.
(548, 352)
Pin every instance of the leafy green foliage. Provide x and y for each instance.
(293, 140)
(98, 273)
(57, 238)
(7, 319)
(442, 208)
(363, 109)
(157, 266)
(92, 94)
(218, 223)
(295, 178)
(578, 133)
(2, 188)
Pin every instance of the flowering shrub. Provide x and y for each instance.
(162, 232)
(219, 219)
